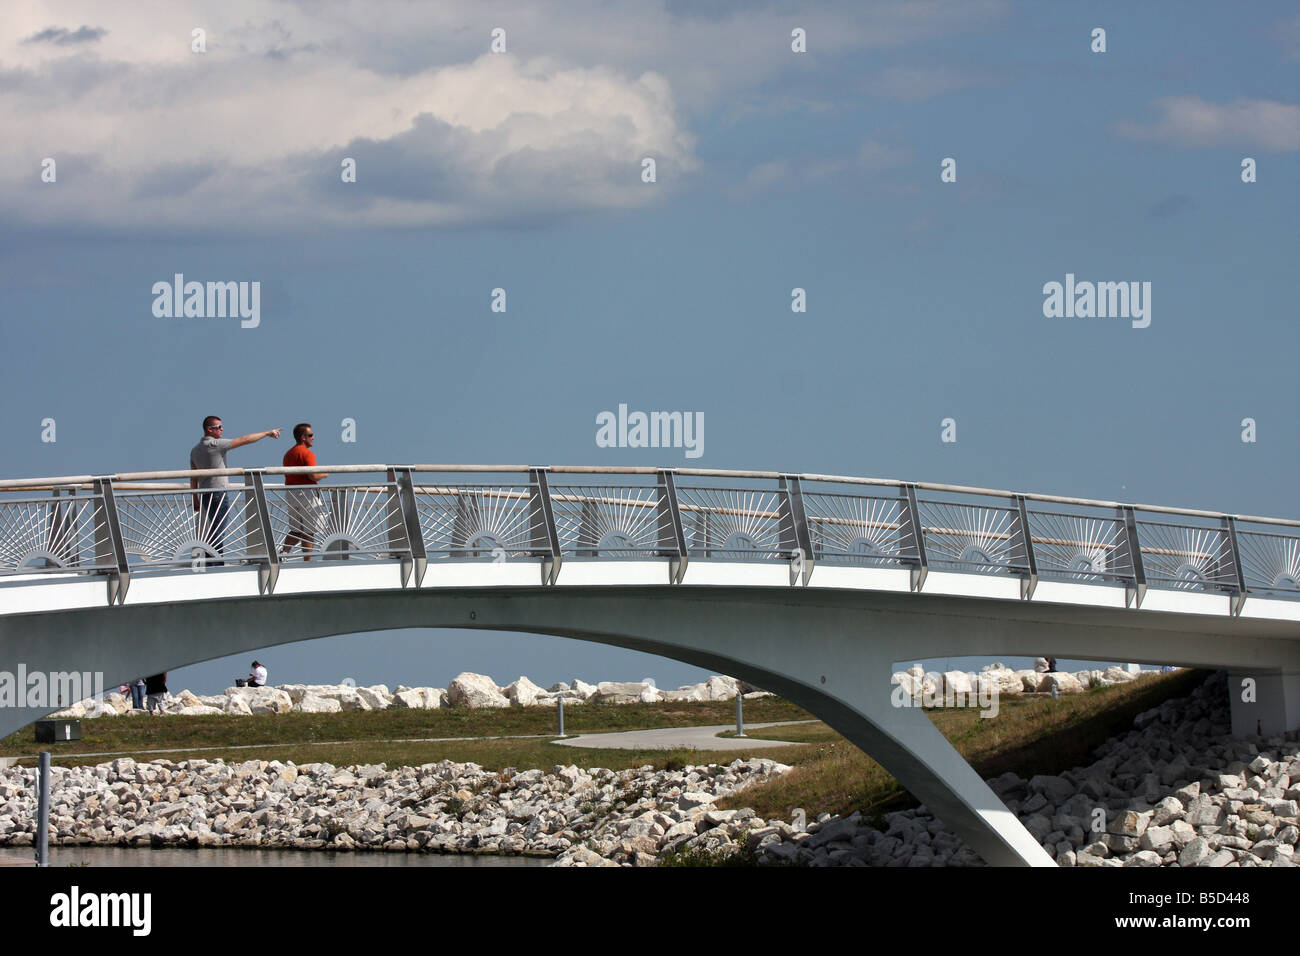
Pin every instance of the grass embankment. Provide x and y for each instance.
(1029, 736)
(830, 775)
(400, 737)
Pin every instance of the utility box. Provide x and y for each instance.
(55, 731)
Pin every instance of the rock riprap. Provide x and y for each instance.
(1177, 790)
(619, 817)
(466, 690)
(479, 690)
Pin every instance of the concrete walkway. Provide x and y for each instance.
(681, 738)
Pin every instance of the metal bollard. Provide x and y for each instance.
(43, 810)
(740, 713)
(559, 713)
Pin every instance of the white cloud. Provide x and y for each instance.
(1192, 121)
(151, 136)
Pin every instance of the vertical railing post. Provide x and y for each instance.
(462, 522)
(912, 528)
(559, 715)
(796, 542)
(261, 539)
(672, 537)
(109, 549)
(404, 534)
(740, 713)
(541, 520)
(1236, 573)
(61, 530)
(1023, 548)
(589, 528)
(1134, 593)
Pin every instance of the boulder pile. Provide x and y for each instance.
(1000, 680)
(1176, 790)
(467, 690)
(578, 816)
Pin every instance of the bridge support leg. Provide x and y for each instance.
(1263, 704)
(907, 744)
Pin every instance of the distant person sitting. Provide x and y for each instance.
(257, 676)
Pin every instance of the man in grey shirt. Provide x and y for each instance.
(214, 507)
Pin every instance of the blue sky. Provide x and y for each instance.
(776, 170)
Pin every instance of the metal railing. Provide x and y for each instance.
(117, 526)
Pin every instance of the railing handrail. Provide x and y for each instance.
(46, 484)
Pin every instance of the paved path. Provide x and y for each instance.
(670, 738)
(680, 738)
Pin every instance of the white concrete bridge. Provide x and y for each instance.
(812, 586)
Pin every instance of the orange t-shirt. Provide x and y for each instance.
(297, 456)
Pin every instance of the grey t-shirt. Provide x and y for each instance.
(211, 453)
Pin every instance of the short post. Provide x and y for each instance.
(559, 714)
(43, 810)
(740, 713)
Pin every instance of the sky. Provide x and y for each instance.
(775, 169)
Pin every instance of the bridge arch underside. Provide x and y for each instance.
(830, 652)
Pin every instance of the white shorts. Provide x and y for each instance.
(306, 512)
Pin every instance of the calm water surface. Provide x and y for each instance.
(210, 856)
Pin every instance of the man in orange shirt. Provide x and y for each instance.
(306, 510)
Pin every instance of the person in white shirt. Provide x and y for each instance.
(257, 676)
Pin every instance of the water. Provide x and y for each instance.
(225, 856)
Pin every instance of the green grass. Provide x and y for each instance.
(1029, 736)
(373, 736)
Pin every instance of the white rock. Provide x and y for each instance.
(311, 704)
(198, 710)
(376, 697)
(475, 690)
(1063, 682)
(408, 699)
(619, 692)
(691, 692)
(957, 683)
(523, 692)
(721, 688)
(263, 700)
(910, 683)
